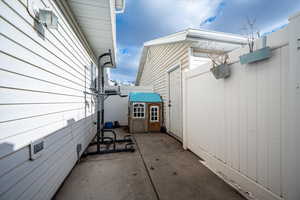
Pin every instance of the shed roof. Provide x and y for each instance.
(148, 97)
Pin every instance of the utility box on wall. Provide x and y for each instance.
(144, 112)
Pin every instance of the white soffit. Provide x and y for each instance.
(96, 19)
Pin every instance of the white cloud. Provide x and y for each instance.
(158, 18)
(127, 63)
(274, 27)
(176, 15)
(123, 77)
(128, 56)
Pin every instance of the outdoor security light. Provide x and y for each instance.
(48, 18)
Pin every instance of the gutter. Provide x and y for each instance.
(215, 36)
(195, 39)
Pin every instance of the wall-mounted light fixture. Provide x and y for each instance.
(48, 18)
(41, 14)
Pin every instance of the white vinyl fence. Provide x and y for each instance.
(245, 127)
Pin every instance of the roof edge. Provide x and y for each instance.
(147, 97)
(175, 37)
(191, 35)
(217, 36)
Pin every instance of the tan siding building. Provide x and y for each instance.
(164, 59)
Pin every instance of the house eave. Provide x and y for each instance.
(176, 37)
(65, 9)
(192, 35)
(94, 23)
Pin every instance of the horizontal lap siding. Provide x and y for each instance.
(160, 58)
(42, 84)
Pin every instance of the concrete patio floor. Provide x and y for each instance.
(171, 173)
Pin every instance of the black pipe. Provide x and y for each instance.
(100, 113)
(100, 116)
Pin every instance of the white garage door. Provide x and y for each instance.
(175, 112)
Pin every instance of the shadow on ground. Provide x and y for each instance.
(160, 170)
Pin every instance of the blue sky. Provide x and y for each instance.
(145, 20)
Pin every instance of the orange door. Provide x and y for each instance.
(154, 117)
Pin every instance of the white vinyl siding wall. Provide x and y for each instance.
(159, 59)
(42, 84)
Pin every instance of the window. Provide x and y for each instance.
(154, 114)
(138, 110)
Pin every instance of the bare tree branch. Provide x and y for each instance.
(251, 32)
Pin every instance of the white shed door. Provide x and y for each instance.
(175, 102)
